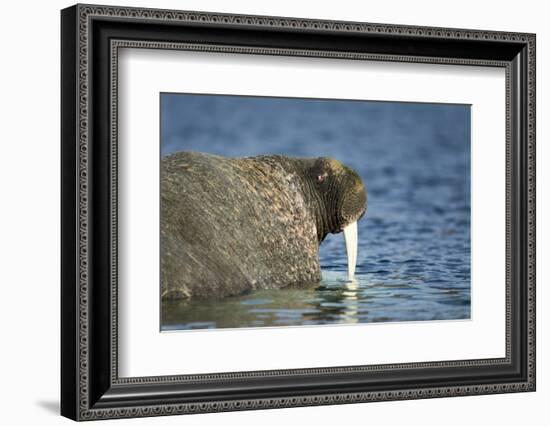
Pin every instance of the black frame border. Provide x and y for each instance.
(90, 387)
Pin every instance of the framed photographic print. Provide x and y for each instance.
(263, 212)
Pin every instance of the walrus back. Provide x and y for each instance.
(229, 226)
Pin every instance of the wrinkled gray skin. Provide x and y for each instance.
(232, 225)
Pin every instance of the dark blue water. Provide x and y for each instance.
(414, 242)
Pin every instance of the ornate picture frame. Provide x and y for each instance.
(91, 37)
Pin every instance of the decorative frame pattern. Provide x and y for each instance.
(87, 403)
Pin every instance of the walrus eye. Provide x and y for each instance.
(321, 178)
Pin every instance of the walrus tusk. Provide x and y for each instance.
(350, 236)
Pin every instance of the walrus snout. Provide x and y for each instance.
(354, 205)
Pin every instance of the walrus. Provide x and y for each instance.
(232, 225)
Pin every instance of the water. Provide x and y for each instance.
(414, 242)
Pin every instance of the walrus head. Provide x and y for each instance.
(341, 200)
(337, 198)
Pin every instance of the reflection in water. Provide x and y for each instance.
(413, 259)
(335, 300)
(350, 297)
